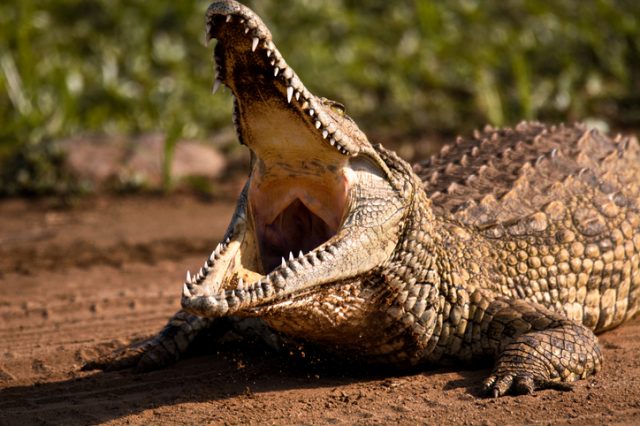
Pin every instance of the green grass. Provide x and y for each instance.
(128, 67)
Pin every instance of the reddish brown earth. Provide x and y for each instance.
(78, 282)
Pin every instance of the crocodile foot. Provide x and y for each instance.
(144, 356)
(547, 359)
(519, 381)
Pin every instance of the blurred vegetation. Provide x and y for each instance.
(404, 67)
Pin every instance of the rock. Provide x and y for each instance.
(102, 162)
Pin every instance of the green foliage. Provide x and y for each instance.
(78, 66)
(451, 65)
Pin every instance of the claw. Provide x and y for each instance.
(497, 386)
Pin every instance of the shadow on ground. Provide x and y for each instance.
(236, 372)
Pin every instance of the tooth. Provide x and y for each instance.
(305, 105)
(246, 30)
(300, 254)
(228, 18)
(332, 141)
(325, 134)
(185, 291)
(311, 112)
(242, 21)
(289, 93)
(216, 86)
(188, 278)
(290, 256)
(254, 44)
(283, 263)
(269, 52)
(240, 284)
(318, 124)
(276, 71)
(297, 96)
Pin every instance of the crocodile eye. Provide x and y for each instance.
(337, 107)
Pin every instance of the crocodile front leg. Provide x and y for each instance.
(161, 350)
(175, 339)
(534, 347)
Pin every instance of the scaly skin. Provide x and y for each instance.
(515, 244)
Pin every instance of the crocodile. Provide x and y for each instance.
(516, 245)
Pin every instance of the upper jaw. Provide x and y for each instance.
(247, 61)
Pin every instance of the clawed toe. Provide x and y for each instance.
(496, 386)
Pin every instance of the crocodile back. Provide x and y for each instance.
(560, 207)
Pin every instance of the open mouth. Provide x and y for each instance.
(295, 230)
(288, 231)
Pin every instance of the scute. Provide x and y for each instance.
(519, 172)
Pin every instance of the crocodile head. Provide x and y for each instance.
(322, 207)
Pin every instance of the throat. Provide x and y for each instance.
(295, 209)
(295, 229)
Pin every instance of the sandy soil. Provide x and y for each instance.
(79, 282)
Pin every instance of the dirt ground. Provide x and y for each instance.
(76, 283)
